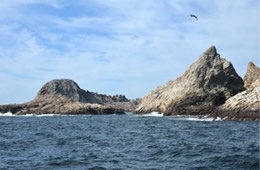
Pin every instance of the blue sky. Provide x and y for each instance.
(118, 46)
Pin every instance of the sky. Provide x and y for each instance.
(114, 47)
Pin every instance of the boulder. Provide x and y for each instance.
(207, 84)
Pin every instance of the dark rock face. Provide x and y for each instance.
(202, 88)
(64, 96)
(252, 74)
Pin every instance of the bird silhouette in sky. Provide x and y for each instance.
(194, 16)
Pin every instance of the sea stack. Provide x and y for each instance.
(207, 84)
(64, 96)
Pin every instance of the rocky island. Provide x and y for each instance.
(64, 96)
(210, 86)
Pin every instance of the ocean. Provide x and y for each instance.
(126, 142)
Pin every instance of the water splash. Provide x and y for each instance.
(6, 114)
(153, 114)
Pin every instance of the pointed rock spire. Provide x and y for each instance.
(211, 51)
(205, 85)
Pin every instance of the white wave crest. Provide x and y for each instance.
(153, 114)
(28, 115)
(197, 118)
(41, 115)
(6, 114)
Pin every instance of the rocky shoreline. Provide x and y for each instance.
(210, 86)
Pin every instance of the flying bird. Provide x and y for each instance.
(194, 16)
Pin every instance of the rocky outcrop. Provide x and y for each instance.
(64, 96)
(71, 90)
(244, 105)
(201, 89)
(252, 75)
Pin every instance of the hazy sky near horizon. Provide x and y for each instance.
(118, 46)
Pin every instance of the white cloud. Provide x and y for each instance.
(127, 47)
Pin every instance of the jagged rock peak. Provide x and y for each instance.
(211, 51)
(251, 65)
(252, 74)
(211, 71)
(64, 87)
(205, 85)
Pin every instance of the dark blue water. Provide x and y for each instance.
(126, 142)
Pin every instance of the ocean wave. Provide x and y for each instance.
(205, 118)
(28, 115)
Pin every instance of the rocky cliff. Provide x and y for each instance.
(244, 105)
(64, 96)
(202, 88)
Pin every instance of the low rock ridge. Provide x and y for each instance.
(64, 96)
(243, 106)
(202, 88)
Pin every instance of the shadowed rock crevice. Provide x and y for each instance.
(220, 99)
